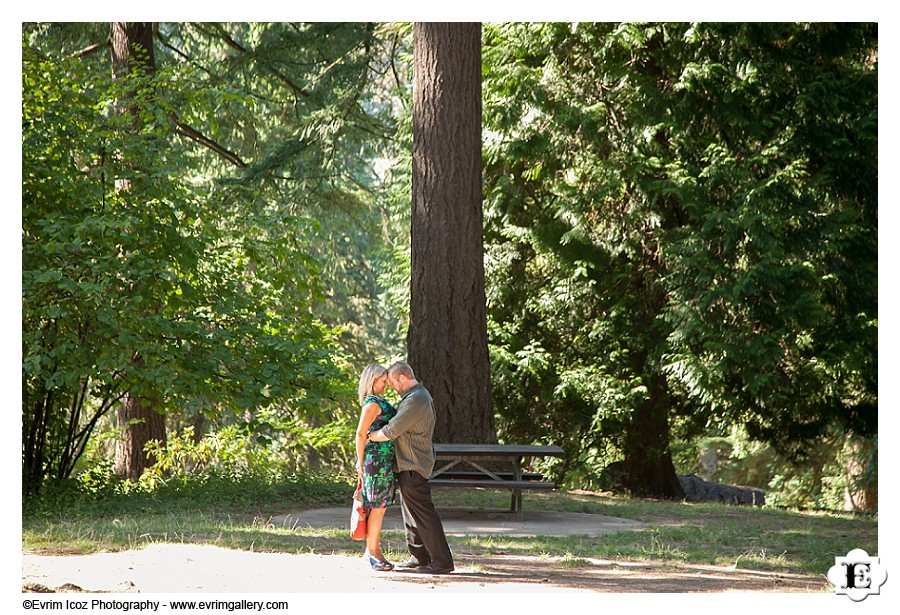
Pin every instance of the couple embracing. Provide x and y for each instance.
(394, 451)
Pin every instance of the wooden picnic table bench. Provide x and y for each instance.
(451, 460)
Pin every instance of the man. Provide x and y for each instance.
(412, 430)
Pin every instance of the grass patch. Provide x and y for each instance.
(217, 511)
(742, 537)
(239, 517)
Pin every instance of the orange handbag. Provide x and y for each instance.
(358, 514)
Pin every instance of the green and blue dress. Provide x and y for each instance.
(379, 485)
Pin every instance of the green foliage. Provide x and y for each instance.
(216, 495)
(227, 470)
(774, 290)
(229, 453)
(308, 111)
(691, 203)
(152, 290)
(834, 467)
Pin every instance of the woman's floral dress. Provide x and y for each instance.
(378, 482)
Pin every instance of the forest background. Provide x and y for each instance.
(680, 237)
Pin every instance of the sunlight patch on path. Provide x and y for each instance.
(460, 521)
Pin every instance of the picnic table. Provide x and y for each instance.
(463, 465)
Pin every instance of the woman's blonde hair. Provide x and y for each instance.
(370, 374)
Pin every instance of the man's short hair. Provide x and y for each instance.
(401, 369)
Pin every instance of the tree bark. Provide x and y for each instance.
(132, 48)
(861, 494)
(647, 469)
(132, 45)
(448, 325)
(140, 423)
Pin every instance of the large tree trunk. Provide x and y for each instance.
(447, 330)
(862, 492)
(140, 424)
(132, 47)
(648, 469)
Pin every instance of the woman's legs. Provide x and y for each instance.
(373, 532)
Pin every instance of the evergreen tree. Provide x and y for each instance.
(447, 330)
(681, 232)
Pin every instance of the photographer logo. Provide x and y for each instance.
(857, 575)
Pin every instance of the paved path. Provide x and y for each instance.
(469, 522)
(185, 568)
(191, 568)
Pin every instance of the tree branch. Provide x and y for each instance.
(198, 137)
(92, 49)
(235, 45)
(180, 53)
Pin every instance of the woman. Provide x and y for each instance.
(375, 460)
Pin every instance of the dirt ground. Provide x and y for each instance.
(171, 568)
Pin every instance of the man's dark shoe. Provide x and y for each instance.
(436, 569)
(411, 563)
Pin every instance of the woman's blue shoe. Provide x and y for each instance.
(379, 564)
